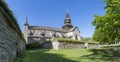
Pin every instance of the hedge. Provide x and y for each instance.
(33, 45)
(72, 41)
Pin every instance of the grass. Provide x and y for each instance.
(71, 55)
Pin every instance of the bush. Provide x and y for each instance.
(73, 41)
(69, 40)
(94, 43)
(33, 45)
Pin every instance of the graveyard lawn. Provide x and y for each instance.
(70, 55)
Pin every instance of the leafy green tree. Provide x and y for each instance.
(108, 26)
(87, 39)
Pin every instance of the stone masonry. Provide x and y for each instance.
(11, 44)
(64, 45)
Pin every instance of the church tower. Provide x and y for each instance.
(67, 22)
(26, 25)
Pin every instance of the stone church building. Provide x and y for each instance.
(42, 33)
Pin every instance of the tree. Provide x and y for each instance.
(108, 26)
(87, 39)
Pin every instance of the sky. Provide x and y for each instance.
(52, 13)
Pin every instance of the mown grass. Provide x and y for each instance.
(71, 55)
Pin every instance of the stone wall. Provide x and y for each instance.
(48, 45)
(11, 42)
(93, 45)
(63, 45)
(117, 49)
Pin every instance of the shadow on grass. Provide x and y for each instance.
(103, 55)
(42, 55)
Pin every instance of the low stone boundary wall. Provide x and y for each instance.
(94, 45)
(115, 49)
(64, 45)
(48, 45)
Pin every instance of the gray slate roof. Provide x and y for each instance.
(72, 29)
(46, 28)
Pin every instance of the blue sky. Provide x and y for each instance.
(52, 13)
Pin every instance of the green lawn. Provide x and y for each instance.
(71, 55)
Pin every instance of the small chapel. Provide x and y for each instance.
(42, 33)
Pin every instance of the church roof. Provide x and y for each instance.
(46, 28)
(67, 15)
(26, 22)
(72, 29)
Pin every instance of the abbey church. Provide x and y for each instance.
(41, 33)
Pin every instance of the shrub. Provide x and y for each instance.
(69, 40)
(73, 41)
(93, 43)
(33, 45)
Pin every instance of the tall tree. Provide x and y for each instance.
(108, 26)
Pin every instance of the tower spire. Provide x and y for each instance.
(26, 22)
(67, 14)
(67, 22)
